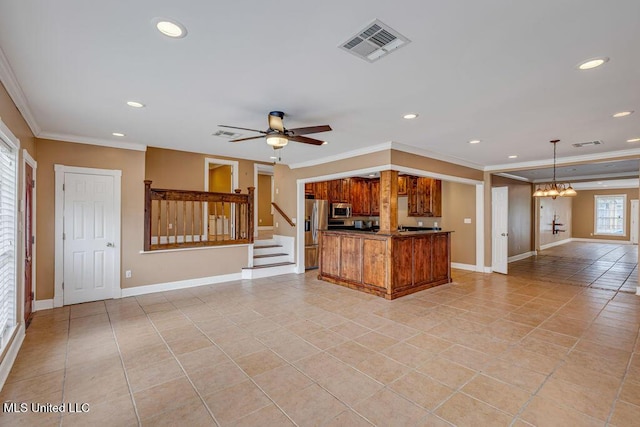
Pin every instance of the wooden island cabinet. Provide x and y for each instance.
(387, 265)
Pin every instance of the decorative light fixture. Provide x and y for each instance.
(554, 189)
(277, 140)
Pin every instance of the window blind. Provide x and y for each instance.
(8, 238)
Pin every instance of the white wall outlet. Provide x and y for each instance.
(170, 226)
(293, 220)
(260, 220)
(277, 224)
(277, 190)
(127, 274)
(420, 223)
(467, 220)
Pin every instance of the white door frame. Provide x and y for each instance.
(495, 265)
(234, 183)
(28, 160)
(259, 169)
(633, 222)
(60, 170)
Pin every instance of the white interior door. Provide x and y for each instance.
(634, 222)
(500, 229)
(89, 238)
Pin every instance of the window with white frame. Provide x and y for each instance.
(8, 240)
(610, 214)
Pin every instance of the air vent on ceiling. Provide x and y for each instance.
(374, 41)
(226, 134)
(585, 144)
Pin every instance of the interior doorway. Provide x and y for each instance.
(30, 166)
(220, 176)
(500, 229)
(263, 182)
(633, 232)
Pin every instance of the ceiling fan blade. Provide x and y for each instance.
(305, 140)
(275, 121)
(236, 127)
(310, 129)
(246, 139)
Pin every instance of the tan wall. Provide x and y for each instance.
(584, 212)
(220, 182)
(400, 158)
(147, 269)
(521, 229)
(458, 203)
(561, 209)
(265, 217)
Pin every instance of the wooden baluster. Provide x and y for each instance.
(167, 219)
(159, 221)
(184, 222)
(238, 216)
(175, 222)
(215, 222)
(147, 214)
(193, 213)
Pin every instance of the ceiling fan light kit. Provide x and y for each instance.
(554, 189)
(278, 136)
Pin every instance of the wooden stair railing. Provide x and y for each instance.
(177, 218)
(284, 215)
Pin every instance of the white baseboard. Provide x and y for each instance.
(265, 227)
(615, 242)
(467, 267)
(258, 273)
(11, 354)
(42, 304)
(637, 290)
(487, 270)
(557, 243)
(58, 301)
(522, 256)
(288, 245)
(180, 284)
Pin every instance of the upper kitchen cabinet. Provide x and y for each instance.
(338, 190)
(360, 197)
(374, 187)
(424, 196)
(319, 190)
(402, 185)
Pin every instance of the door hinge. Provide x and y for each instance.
(33, 240)
(62, 187)
(33, 183)
(62, 285)
(64, 236)
(32, 296)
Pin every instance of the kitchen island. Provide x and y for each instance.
(388, 265)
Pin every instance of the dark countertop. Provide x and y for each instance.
(408, 231)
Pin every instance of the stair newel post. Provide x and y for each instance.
(250, 207)
(238, 206)
(147, 215)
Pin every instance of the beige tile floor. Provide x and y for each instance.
(291, 350)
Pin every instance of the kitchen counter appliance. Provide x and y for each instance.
(316, 217)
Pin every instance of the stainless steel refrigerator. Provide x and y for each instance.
(316, 217)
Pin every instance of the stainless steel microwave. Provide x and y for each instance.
(340, 210)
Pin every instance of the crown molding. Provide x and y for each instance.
(93, 141)
(341, 156)
(610, 185)
(564, 160)
(514, 177)
(436, 156)
(598, 177)
(387, 146)
(8, 79)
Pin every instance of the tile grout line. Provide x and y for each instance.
(124, 369)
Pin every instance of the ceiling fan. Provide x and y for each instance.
(278, 136)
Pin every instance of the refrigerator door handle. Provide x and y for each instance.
(314, 222)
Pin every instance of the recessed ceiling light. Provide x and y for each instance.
(325, 142)
(410, 116)
(592, 63)
(474, 141)
(633, 140)
(273, 157)
(513, 157)
(117, 134)
(135, 104)
(372, 174)
(623, 114)
(171, 28)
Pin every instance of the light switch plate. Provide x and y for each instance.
(467, 220)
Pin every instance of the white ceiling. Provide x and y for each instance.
(500, 71)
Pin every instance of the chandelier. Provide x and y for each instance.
(554, 189)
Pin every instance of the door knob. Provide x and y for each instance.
(110, 245)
